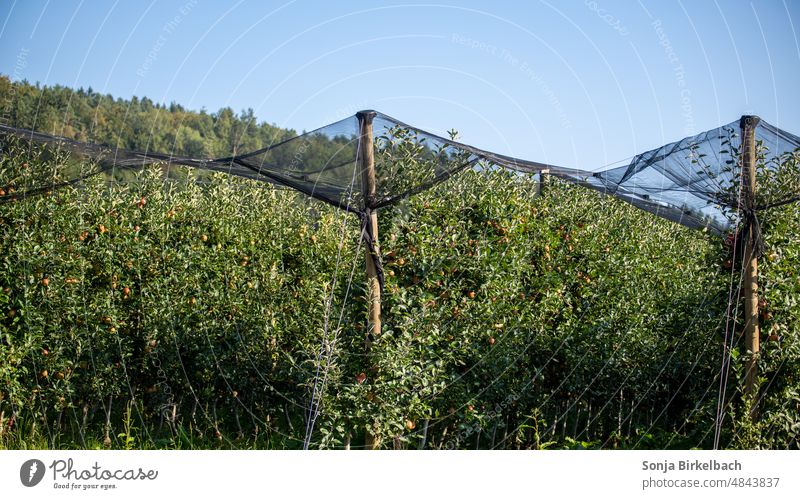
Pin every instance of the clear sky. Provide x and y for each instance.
(576, 83)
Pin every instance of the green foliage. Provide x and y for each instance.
(778, 424)
(181, 305)
(171, 313)
(137, 124)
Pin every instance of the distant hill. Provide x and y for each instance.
(138, 123)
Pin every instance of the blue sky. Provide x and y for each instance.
(576, 83)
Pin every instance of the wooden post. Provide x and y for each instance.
(541, 182)
(366, 164)
(750, 263)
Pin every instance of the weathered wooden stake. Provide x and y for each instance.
(542, 180)
(751, 327)
(366, 164)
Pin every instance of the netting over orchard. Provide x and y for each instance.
(691, 181)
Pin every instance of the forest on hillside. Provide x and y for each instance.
(137, 124)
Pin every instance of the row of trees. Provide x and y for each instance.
(153, 313)
(136, 124)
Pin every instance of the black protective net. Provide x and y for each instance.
(690, 181)
(319, 163)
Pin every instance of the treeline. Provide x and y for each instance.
(136, 124)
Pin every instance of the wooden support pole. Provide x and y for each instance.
(750, 263)
(366, 157)
(366, 165)
(542, 179)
